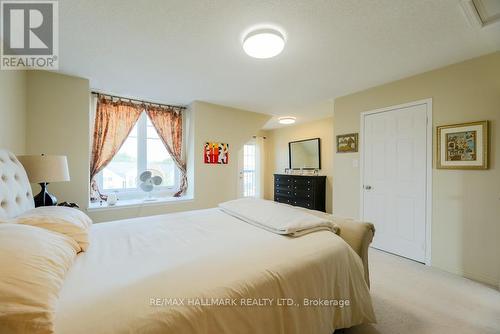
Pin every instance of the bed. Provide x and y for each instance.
(206, 271)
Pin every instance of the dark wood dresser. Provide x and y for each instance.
(300, 190)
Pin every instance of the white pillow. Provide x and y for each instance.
(34, 262)
(68, 221)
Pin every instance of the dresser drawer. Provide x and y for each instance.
(302, 181)
(307, 188)
(303, 203)
(283, 192)
(284, 187)
(303, 194)
(283, 180)
(282, 199)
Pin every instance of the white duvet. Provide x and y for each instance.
(208, 272)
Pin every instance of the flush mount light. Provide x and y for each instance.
(287, 120)
(263, 43)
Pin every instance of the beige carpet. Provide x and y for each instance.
(412, 298)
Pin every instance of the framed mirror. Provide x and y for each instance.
(304, 154)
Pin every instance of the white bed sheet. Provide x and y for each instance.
(133, 268)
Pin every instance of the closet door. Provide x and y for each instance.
(394, 177)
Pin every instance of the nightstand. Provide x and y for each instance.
(70, 205)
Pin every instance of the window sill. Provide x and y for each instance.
(131, 203)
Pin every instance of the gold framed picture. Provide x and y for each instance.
(347, 143)
(463, 146)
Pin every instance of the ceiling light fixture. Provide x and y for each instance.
(287, 120)
(263, 43)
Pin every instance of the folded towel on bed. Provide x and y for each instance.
(277, 217)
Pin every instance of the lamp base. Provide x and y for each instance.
(44, 198)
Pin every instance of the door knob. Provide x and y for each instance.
(368, 187)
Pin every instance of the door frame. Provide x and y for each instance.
(429, 155)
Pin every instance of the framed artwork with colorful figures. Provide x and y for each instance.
(463, 146)
(216, 153)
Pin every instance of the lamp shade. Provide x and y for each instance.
(45, 168)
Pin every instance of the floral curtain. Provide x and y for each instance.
(168, 123)
(114, 120)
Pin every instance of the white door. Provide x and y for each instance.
(395, 178)
(248, 170)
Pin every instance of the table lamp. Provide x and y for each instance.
(44, 169)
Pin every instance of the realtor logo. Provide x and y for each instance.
(29, 35)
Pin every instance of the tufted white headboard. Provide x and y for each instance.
(15, 190)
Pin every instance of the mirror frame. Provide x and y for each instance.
(298, 141)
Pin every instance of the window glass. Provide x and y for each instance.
(249, 183)
(143, 149)
(121, 172)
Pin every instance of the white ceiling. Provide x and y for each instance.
(180, 51)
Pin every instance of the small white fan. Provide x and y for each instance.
(149, 180)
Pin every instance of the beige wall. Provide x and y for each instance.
(13, 111)
(58, 123)
(276, 147)
(227, 125)
(212, 183)
(466, 214)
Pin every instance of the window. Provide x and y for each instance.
(142, 150)
(249, 175)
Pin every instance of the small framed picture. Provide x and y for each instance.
(216, 153)
(463, 146)
(347, 143)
